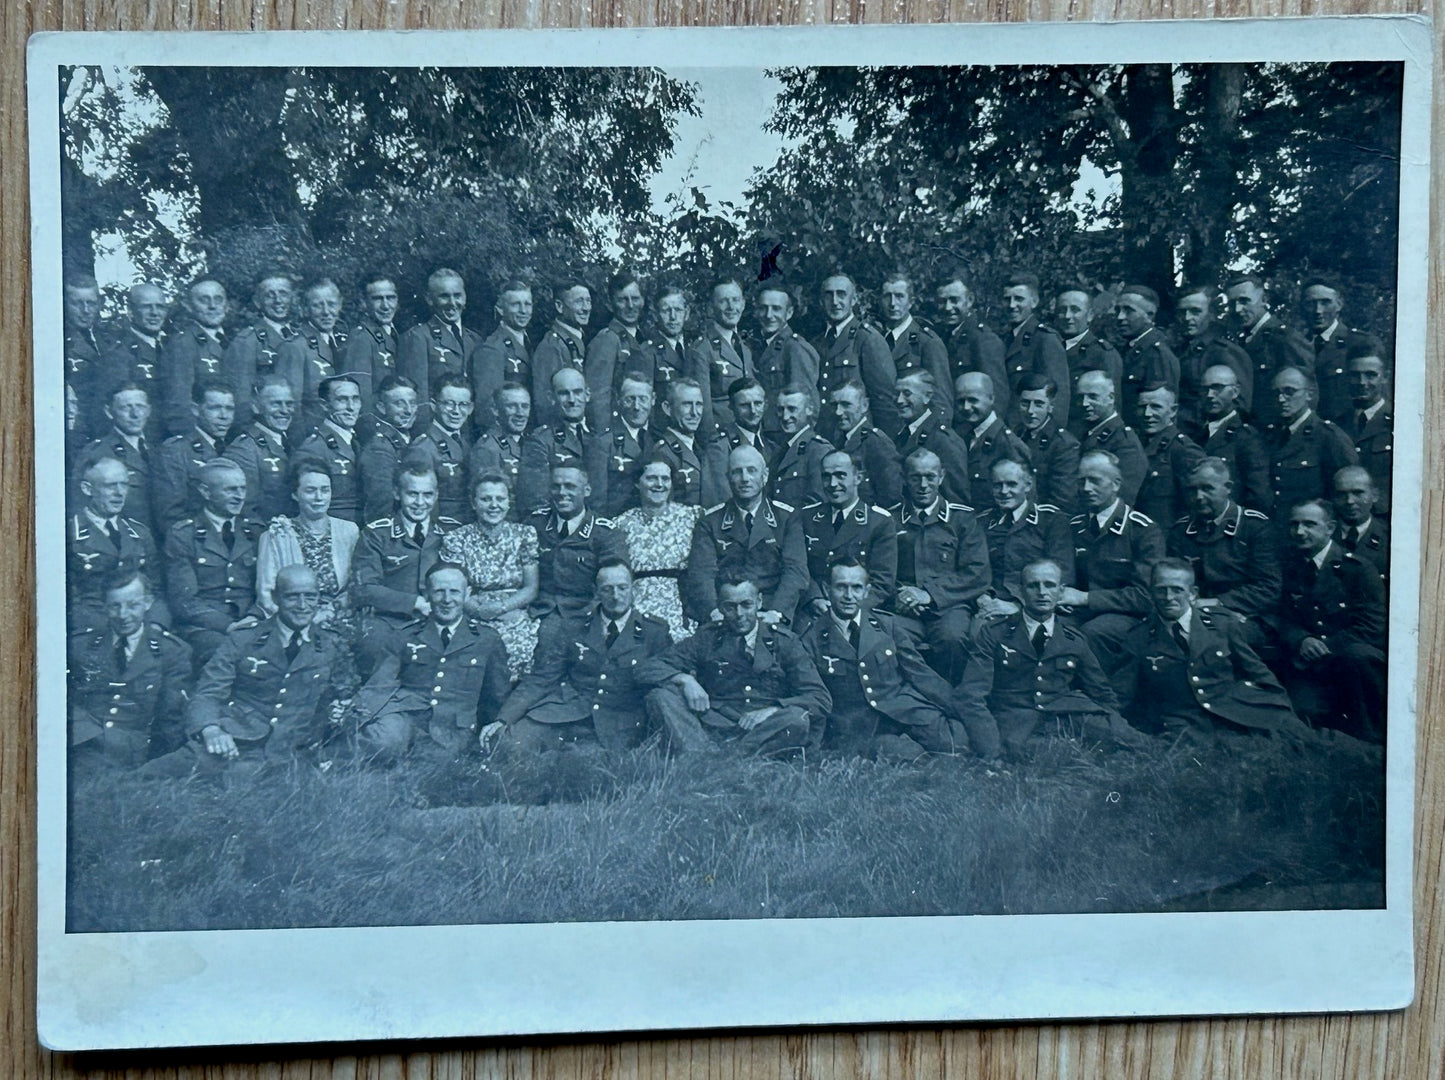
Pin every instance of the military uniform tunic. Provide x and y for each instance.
(1170, 456)
(1240, 446)
(1235, 559)
(1040, 531)
(882, 481)
(120, 712)
(308, 360)
(272, 706)
(772, 555)
(972, 346)
(447, 453)
(329, 444)
(546, 447)
(795, 474)
(988, 444)
(567, 565)
(92, 554)
(428, 351)
(263, 457)
(561, 346)
(918, 348)
(378, 464)
(859, 352)
(174, 481)
(209, 585)
(610, 355)
(137, 460)
(1303, 462)
(785, 360)
(502, 357)
(1119, 439)
(1033, 348)
(254, 353)
(1147, 360)
(715, 359)
(866, 533)
(188, 353)
(1054, 455)
(942, 441)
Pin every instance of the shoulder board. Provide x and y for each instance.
(1047, 329)
(379, 523)
(1255, 514)
(174, 440)
(961, 506)
(163, 632)
(450, 522)
(1048, 508)
(1069, 631)
(415, 623)
(813, 505)
(542, 513)
(783, 506)
(714, 509)
(605, 522)
(1078, 519)
(1140, 519)
(474, 625)
(643, 617)
(880, 511)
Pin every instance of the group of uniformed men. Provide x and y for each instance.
(915, 539)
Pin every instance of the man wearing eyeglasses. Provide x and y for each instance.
(1307, 449)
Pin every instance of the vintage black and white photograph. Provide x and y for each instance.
(698, 490)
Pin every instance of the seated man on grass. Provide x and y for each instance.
(1030, 671)
(583, 685)
(738, 682)
(886, 699)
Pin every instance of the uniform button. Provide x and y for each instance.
(283, 689)
(275, 719)
(110, 723)
(441, 675)
(1194, 677)
(436, 690)
(865, 678)
(747, 689)
(596, 706)
(603, 676)
(433, 701)
(443, 660)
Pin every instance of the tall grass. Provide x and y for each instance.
(577, 835)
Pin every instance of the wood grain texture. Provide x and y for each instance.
(1403, 1045)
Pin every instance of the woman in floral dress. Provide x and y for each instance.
(659, 537)
(500, 558)
(313, 537)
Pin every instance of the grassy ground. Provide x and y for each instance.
(575, 835)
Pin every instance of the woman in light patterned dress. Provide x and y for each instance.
(315, 539)
(659, 538)
(500, 559)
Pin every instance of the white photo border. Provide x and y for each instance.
(134, 990)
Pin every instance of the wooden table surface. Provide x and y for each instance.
(1404, 1045)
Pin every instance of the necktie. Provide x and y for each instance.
(1093, 525)
(1360, 421)
(1351, 538)
(837, 519)
(1040, 639)
(293, 647)
(417, 534)
(120, 657)
(748, 523)
(747, 649)
(736, 344)
(561, 530)
(1180, 638)
(612, 633)
(446, 637)
(1207, 529)
(1311, 572)
(831, 336)
(853, 634)
(1320, 342)
(112, 532)
(228, 534)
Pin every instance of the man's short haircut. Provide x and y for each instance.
(317, 284)
(513, 285)
(306, 463)
(777, 287)
(1366, 345)
(724, 279)
(129, 387)
(1045, 561)
(923, 376)
(1245, 279)
(1025, 278)
(511, 385)
(373, 277)
(439, 275)
(837, 451)
(85, 281)
(418, 466)
(98, 463)
(621, 280)
(394, 382)
(122, 576)
(920, 454)
(219, 465)
(734, 577)
(441, 566)
(1323, 505)
(1095, 375)
(201, 387)
(638, 377)
(745, 382)
(1358, 471)
(847, 562)
(985, 376)
(685, 383)
(1179, 566)
(1035, 380)
(1155, 385)
(669, 288)
(1143, 292)
(1309, 380)
(204, 279)
(612, 562)
(452, 380)
(857, 388)
(955, 273)
(567, 284)
(570, 464)
(1323, 281)
(1209, 292)
(1109, 459)
(1215, 467)
(1006, 460)
(892, 276)
(809, 394)
(328, 385)
(836, 272)
(130, 294)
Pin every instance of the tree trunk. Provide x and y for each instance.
(1216, 171)
(1146, 104)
